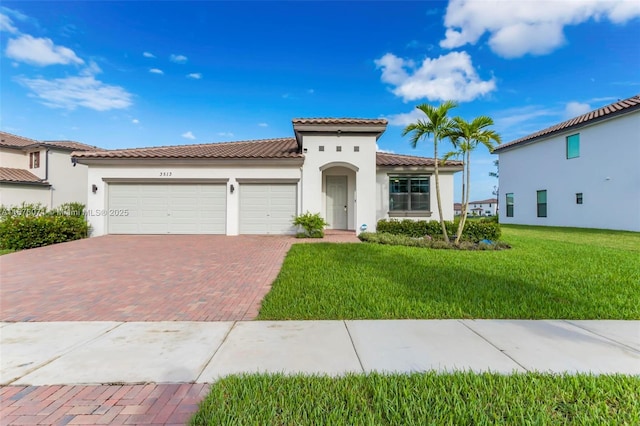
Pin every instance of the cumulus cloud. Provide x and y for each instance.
(450, 76)
(156, 71)
(40, 51)
(148, 55)
(178, 59)
(575, 109)
(195, 75)
(135, 121)
(378, 149)
(517, 28)
(263, 125)
(405, 119)
(81, 91)
(6, 24)
(188, 135)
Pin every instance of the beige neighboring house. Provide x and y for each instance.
(330, 167)
(487, 207)
(42, 172)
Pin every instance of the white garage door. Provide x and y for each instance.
(167, 208)
(267, 208)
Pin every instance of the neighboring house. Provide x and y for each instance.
(583, 172)
(330, 167)
(34, 171)
(478, 208)
(484, 207)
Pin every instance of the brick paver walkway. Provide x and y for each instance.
(149, 404)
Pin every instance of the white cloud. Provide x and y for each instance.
(6, 24)
(448, 77)
(517, 117)
(156, 71)
(91, 69)
(178, 59)
(405, 118)
(195, 75)
(188, 135)
(517, 28)
(225, 134)
(575, 109)
(263, 125)
(135, 121)
(40, 51)
(148, 55)
(81, 91)
(378, 149)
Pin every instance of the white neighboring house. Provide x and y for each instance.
(583, 172)
(42, 172)
(483, 207)
(330, 167)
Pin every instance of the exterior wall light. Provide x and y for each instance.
(232, 188)
(94, 188)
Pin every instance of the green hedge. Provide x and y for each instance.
(24, 229)
(474, 230)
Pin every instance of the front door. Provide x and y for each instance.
(337, 211)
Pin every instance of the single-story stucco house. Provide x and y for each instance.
(330, 167)
(582, 172)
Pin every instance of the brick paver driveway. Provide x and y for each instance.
(141, 278)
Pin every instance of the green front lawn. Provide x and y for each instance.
(5, 251)
(419, 399)
(557, 273)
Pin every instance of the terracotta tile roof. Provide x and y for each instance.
(487, 201)
(349, 121)
(263, 149)
(391, 160)
(19, 176)
(608, 111)
(72, 146)
(15, 141)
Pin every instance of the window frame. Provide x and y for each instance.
(541, 207)
(509, 202)
(579, 198)
(573, 151)
(34, 160)
(410, 208)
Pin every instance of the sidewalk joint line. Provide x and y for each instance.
(600, 335)
(491, 343)
(353, 345)
(224, 339)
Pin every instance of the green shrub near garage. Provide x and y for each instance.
(29, 226)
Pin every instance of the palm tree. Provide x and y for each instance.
(438, 125)
(466, 137)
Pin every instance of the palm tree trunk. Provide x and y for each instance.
(464, 220)
(442, 225)
(464, 201)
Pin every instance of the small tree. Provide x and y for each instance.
(465, 137)
(438, 125)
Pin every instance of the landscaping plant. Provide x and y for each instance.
(312, 223)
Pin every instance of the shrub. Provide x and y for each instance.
(24, 209)
(312, 223)
(427, 242)
(24, 228)
(474, 230)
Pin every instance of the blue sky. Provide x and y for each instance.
(144, 73)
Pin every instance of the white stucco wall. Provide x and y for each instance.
(446, 193)
(361, 197)
(14, 158)
(69, 183)
(167, 173)
(606, 173)
(16, 194)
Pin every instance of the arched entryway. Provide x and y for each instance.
(339, 195)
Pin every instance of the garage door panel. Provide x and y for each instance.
(267, 208)
(168, 208)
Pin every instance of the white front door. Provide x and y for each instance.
(337, 211)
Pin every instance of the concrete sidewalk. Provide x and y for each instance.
(66, 353)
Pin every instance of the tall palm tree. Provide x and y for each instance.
(438, 125)
(466, 137)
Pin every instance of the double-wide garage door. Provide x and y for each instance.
(167, 208)
(267, 208)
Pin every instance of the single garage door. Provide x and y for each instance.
(267, 208)
(167, 208)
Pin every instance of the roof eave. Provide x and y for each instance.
(176, 161)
